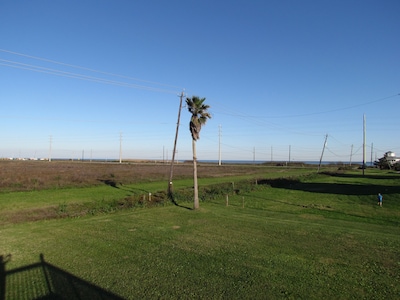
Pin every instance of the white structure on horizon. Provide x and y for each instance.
(391, 158)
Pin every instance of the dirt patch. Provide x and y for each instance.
(30, 215)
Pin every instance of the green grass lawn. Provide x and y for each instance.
(318, 237)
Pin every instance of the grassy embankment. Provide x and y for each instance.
(319, 236)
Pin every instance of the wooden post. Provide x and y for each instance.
(174, 151)
(227, 200)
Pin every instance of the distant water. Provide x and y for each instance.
(257, 162)
(215, 161)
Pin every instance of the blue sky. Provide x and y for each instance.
(278, 75)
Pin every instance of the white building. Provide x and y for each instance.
(391, 158)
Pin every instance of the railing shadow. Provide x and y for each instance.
(43, 280)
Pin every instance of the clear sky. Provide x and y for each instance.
(84, 77)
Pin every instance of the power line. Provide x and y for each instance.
(339, 109)
(56, 72)
(260, 121)
(87, 69)
(334, 154)
(54, 119)
(238, 114)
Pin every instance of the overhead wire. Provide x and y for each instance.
(87, 69)
(333, 110)
(253, 119)
(158, 87)
(41, 69)
(333, 153)
(258, 120)
(261, 120)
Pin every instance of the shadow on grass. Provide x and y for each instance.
(332, 188)
(43, 280)
(393, 175)
(114, 184)
(109, 182)
(174, 202)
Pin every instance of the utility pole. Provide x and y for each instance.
(219, 146)
(364, 145)
(272, 154)
(322, 154)
(254, 154)
(351, 154)
(289, 152)
(120, 147)
(173, 153)
(51, 140)
(372, 151)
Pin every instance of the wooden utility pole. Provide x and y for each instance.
(272, 156)
(351, 154)
(51, 141)
(322, 154)
(364, 145)
(173, 153)
(372, 151)
(120, 147)
(219, 146)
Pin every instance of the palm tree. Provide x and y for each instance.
(200, 115)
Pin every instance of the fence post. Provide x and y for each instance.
(242, 202)
(227, 200)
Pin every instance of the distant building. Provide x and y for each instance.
(391, 158)
(388, 161)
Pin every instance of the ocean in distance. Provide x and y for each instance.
(258, 162)
(215, 161)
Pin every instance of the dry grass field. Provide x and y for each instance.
(39, 175)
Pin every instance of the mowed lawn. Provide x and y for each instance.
(321, 237)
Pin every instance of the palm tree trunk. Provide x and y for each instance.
(196, 189)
